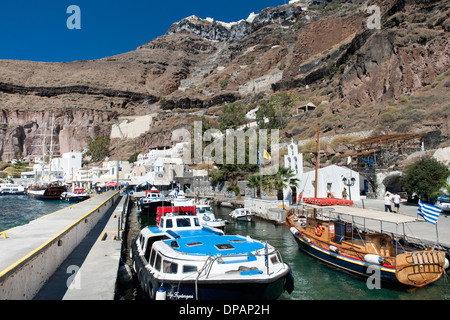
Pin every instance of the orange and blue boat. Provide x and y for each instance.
(323, 234)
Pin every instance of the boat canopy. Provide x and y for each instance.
(369, 214)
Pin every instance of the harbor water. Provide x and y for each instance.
(17, 210)
(315, 280)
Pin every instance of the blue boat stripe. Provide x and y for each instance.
(346, 259)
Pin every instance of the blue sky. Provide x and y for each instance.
(37, 30)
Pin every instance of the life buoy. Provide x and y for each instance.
(318, 230)
(299, 198)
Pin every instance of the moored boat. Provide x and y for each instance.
(152, 200)
(77, 195)
(183, 260)
(242, 214)
(46, 192)
(327, 237)
(11, 189)
(206, 216)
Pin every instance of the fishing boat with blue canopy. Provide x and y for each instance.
(182, 260)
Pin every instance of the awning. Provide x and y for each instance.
(366, 213)
(373, 214)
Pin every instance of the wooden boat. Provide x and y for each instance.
(326, 236)
(47, 192)
(323, 234)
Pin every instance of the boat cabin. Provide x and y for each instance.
(342, 233)
(153, 194)
(203, 208)
(171, 211)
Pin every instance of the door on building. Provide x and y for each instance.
(294, 195)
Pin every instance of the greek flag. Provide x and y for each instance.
(429, 212)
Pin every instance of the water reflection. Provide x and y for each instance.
(315, 280)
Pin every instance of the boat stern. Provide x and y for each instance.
(420, 268)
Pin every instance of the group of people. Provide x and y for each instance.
(388, 200)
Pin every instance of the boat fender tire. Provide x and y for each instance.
(154, 285)
(289, 282)
(318, 230)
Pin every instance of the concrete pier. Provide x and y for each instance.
(31, 254)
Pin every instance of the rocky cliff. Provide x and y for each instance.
(318, 51)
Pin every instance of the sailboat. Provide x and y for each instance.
(47, 191)
(322, 232)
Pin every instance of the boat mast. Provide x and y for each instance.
(44, 153)
(51, 147)
(317, 161)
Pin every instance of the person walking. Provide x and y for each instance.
(344, 194)
(387, 203)
(396, 199)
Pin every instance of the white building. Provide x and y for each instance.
(63, 168)
(113, 171)
(330, 179)
(159, 167)
(67, 166)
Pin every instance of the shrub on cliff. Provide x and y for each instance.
(98, 148)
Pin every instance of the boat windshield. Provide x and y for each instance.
(204, 210)
(187, 222)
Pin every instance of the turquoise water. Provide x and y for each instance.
(19, 210)
(315, 280)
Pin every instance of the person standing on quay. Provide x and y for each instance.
(387, 203)
(396, 199)
(344, 194)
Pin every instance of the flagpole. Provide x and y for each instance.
(260, 172)
(437, 235)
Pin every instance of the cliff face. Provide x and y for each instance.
(232, 32)
(25, 133)
(400, 59)
(201, 64)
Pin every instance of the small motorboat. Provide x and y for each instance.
(242, 214)
(77, 195)
(207, 218)
(180, 259)
(152, 200)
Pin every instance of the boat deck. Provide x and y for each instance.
(203, 243)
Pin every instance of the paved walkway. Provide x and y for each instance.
(90, 271)
(421, 229)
